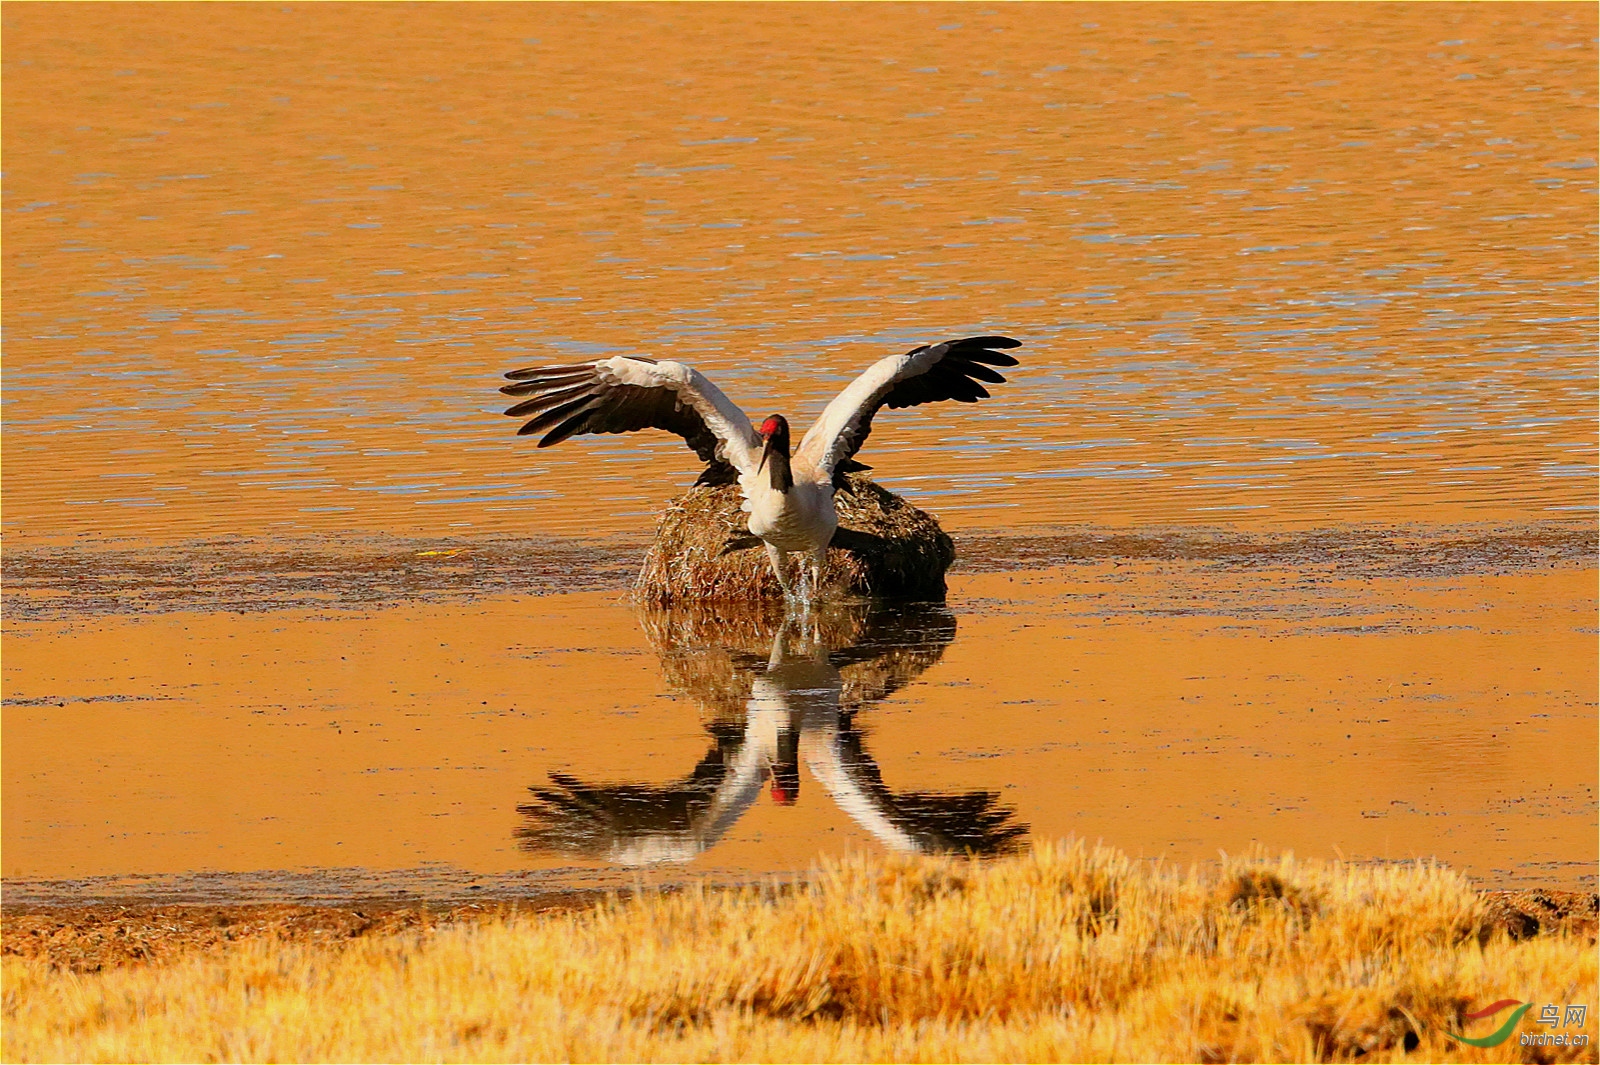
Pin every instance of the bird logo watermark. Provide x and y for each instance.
(1500, 1034)
(1550, 1015)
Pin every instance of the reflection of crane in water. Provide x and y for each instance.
(797, 705)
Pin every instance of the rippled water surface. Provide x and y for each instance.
(1169, 706)
(1282, 532)
(1287, 265)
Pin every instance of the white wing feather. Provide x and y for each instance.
(622, 395)
(953, 369)
(738, 442)
(829, 440)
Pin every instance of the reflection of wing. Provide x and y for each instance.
(636, 824)
(929, 822)
(756, 705)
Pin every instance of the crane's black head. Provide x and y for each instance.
(775, 433)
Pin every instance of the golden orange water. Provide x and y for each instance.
(1273, 265)
(1391, 718)
(1276, 268)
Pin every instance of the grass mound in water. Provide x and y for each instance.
(888, 549)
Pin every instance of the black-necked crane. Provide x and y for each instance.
(789, 497)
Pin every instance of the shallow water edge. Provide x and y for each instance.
(249, 574)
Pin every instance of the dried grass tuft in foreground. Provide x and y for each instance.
(1065, 953)
(899, 551)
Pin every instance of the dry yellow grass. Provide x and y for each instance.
(1065, 953)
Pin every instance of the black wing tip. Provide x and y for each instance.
(992, 342)
(983, 355)
(533, 373)
(555, 429)
(563, 419)
(979, 349)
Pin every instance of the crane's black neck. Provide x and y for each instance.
(778, 465)
(775, 453)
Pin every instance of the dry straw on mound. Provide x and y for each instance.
(895, 550)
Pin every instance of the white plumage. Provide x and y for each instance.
(789, 498)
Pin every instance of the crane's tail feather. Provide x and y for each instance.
(855, 540)
(740, 543)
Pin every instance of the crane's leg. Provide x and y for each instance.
(810, 579)
(819, 558)
(779, 643)
(779, 560)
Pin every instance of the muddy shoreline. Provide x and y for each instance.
(99, 937)
(58, 583)
(94, 938)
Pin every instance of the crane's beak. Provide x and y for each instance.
(766, 452)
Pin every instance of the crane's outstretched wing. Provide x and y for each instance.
(624, 394)
(951, 370)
